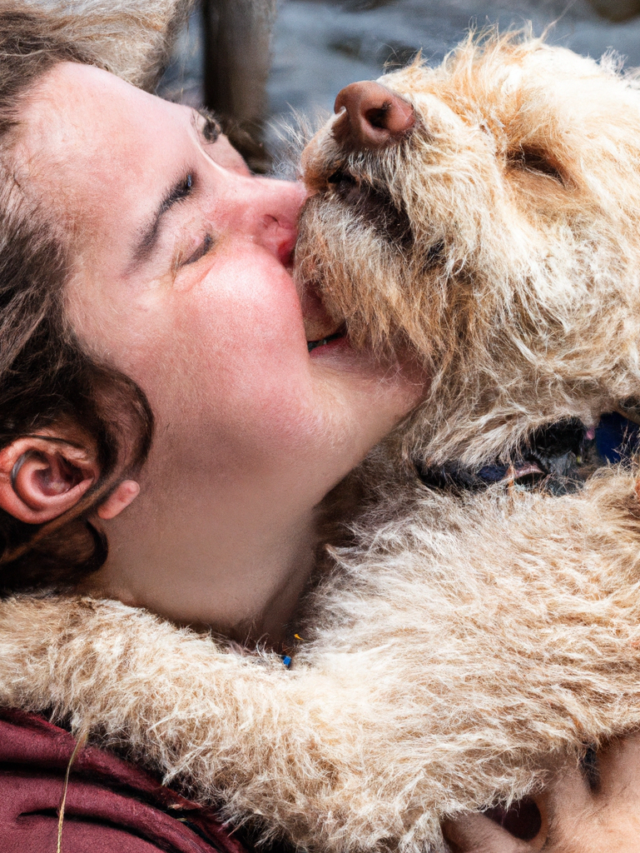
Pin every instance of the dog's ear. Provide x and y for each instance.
(131, 38)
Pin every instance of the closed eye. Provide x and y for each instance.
(534, 160)
(148, 240)
(181, 192)
(210, 128)
(207, 244)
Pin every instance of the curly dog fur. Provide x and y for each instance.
(512, 271)
(461, 651)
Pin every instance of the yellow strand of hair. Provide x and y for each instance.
(82, 739)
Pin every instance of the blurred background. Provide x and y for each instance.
(255, 61)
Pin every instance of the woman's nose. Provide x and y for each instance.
(273, 215)
(372, 116)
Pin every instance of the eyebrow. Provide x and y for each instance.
(149, 233)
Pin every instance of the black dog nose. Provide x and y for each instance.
(372, 117)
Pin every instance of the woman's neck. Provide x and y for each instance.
(238, 566)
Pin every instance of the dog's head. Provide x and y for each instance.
(485, 216)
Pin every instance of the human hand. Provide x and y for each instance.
(590, 808)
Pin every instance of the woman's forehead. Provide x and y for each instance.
(90, 143)
(74, 106)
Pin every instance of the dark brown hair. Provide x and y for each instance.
(46, 378)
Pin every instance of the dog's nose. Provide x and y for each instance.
(372, 116)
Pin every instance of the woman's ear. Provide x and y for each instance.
(41, 477)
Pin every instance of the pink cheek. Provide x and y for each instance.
(248, 296)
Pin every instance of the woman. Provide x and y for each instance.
(146, 277)
(173, 270)
(156, 359)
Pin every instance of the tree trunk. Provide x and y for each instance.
(617, 10)
(237, 57)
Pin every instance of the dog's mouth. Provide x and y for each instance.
(369, 205)
(372, 205)
(321, 329)
(323, 342)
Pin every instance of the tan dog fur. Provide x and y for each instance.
(461, 647)
(518, 284)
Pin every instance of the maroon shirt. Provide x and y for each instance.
(111, 806)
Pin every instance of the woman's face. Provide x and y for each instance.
(182, 280)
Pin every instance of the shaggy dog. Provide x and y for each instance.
(493, 233)
(462, 645)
